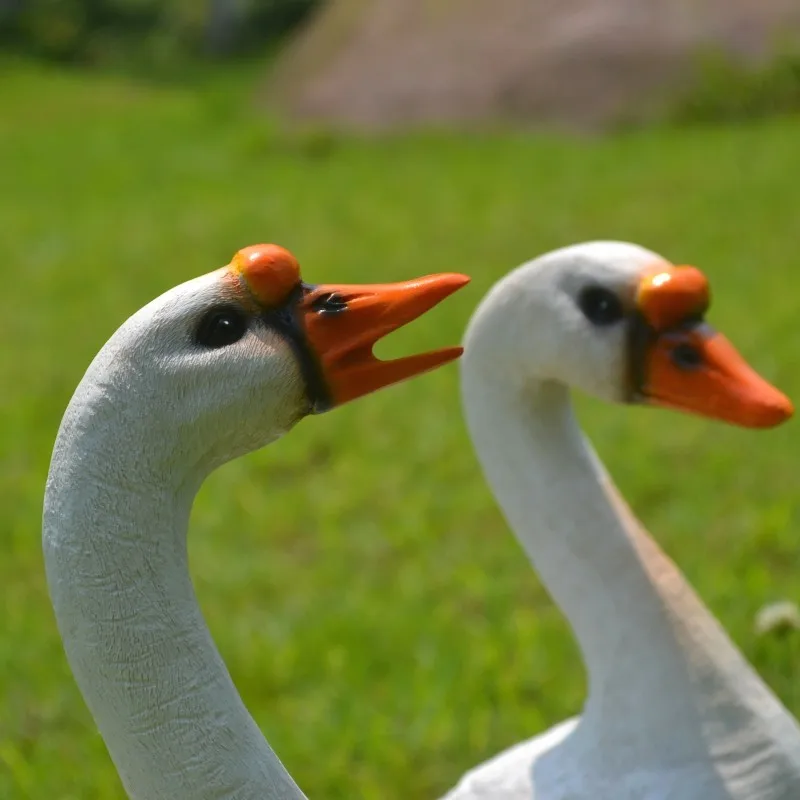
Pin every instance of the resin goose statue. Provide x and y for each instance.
(213, 369)
(673, 709)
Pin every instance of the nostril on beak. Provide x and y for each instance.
(686, 356)
(331, 303)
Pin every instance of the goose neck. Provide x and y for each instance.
(662, 675)
(115, 555)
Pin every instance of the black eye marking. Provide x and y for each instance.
(686, 356)
(600, 306)
(221, 327)
(331, 303)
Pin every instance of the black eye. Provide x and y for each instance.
(600, 306)
(221, 327)
(331, 303)
(686, 356)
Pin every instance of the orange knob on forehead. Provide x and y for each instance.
(669, 295)
(269, 271)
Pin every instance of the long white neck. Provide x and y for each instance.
(142, 655)
(666, 685)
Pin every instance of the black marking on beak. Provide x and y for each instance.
(641, 338)
(287, 321)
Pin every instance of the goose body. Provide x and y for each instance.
(674, 711)
(213, 369)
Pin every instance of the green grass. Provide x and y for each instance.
(375, 612)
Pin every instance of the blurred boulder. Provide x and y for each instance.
(582, 64)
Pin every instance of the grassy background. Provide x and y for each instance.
(376, 614)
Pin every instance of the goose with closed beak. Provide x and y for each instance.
(209, 371)
(673, 711)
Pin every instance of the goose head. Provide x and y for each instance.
(624, 324)
(227, 362)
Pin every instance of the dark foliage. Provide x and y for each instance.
(95, 31)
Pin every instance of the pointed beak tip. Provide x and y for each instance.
(780, 410)
(448, 354)
(418, 296)
(771, 409)
(449, 282)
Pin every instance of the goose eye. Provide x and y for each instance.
(600, 306)
(221, 327)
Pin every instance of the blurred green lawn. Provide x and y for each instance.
(376, 614)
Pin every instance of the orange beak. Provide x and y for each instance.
(680, 362)
(343, 322)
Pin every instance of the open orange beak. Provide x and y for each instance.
(343, 322)
(679, 361)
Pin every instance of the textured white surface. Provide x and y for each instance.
(673, 711)
(153, 415)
